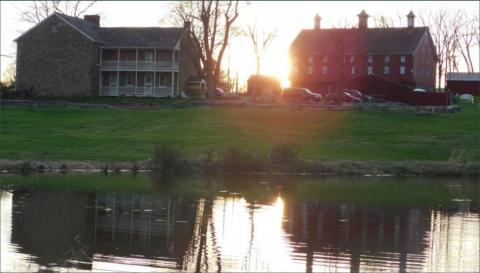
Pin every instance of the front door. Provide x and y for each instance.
(148, 84)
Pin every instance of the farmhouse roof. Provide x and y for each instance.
(370, 41)
(141, 37)
(158, 37)
(463, 76)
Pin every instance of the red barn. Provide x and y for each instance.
(463, 83)
(322, 58)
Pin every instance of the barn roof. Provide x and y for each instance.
(463, 76)
(158, 37)
(354, 41)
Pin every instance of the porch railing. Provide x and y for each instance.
(139, 91)
(140, 65)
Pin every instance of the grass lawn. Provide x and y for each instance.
(98, 134)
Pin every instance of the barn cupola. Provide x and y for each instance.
(363, 20)
(317, 20)
(411, 19)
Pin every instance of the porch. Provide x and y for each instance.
(139, 59)
(139, 84)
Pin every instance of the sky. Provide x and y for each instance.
(287, 17)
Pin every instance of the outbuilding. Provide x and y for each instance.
(463, 83)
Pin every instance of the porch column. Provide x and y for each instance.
(154, 68)
(136, 69)
(118, 71)
(173, 59)
(100, 76)
(178, 72)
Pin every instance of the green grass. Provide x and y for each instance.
(105, 134)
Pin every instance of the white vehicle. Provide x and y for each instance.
(419, 90)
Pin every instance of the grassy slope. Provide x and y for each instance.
(86, 134)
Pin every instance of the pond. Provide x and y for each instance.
(294, 224)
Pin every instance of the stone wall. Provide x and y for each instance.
(189, 61)
(54, 59)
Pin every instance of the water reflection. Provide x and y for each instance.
(60, 230)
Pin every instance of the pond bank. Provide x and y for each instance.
(355, 168)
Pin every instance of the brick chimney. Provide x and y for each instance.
(317, 20)
(94, 19)
(363, 20)
(411, 19)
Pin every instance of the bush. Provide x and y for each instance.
(7, 90)
(169, 161)
(284, 153)
(236, 160)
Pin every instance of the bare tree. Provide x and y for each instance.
(467, 38)
(454, 35)
(260, 43)
(383, 22)
(37, 11)
(212, 24)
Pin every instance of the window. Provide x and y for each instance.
(325, 59)
(310, 59)
(402, 70)
(402, 59)
(370, 59)
(310, 70)
(386, 69)
(353, 70)
(387, 59)
(324, 69)
(352, 59)
(370, 70)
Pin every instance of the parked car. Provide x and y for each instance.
(358, 94)
(341, 97)
(298, 93)
(419, 90)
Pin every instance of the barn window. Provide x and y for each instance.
(310, 70)
(402, 70)
(353, 70)
(324, 69)
(352, 59)
(387, 59)
(402, 59)
(370, 70)
(310, 59)
(325, 59)
(370, 59)
(386, 70)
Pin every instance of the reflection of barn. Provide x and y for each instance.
(360, 237)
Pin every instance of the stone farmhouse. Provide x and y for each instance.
(323, 58)
(68, 56)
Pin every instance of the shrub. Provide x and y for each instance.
(235, 160)
(168, 161)
(284, 153)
